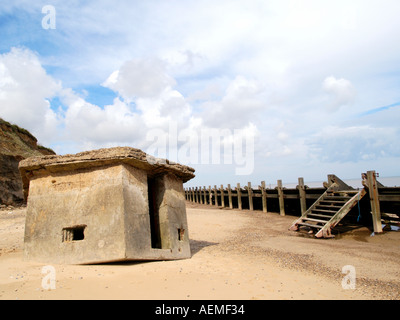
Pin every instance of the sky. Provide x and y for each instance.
(242, 91)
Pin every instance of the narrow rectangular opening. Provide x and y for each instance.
(152, 186)
(75, 233)
(181, 234)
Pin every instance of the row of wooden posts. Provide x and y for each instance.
(218, 196)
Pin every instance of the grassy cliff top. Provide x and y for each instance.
(15, 140)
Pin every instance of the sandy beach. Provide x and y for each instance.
(235, 255)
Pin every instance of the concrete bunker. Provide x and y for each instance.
(105, 205)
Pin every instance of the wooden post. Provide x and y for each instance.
(264, 196)
(204, 195)
(210, 195)
(302, 193)
(230, 196)
(250, 195)
(216, 195)
(239, 196)
(374, 200)
(222, 196)
(201, 195)
(192, 192)
(281, 200)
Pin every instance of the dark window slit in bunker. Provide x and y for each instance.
(152, 186)
(76, 233)
(181, 234)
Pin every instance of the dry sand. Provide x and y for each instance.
(235, 255)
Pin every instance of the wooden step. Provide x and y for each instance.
(309, 225)
(339, 203)
(329, 206)
(333, 197)
(315, 220)
(324, 211)
(347, 191)
(333, 200)
(319, 215)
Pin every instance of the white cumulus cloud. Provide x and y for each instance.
(25, 91)
(144, 78)
(341, 90)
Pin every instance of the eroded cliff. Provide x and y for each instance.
(16, 144)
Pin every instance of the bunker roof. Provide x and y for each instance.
(101, 157)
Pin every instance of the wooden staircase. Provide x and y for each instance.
(330, 208)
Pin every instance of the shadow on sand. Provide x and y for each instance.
(197, 245)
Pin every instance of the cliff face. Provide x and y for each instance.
(16, 144)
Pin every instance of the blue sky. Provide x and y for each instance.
(380, 109)
(314, 84)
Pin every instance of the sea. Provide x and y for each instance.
(355, 183)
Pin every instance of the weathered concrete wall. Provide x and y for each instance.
(170, 201)
(173, 222)
(91, 198)
(136, 206)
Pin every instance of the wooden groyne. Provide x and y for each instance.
(380, 202)
(277, 199)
